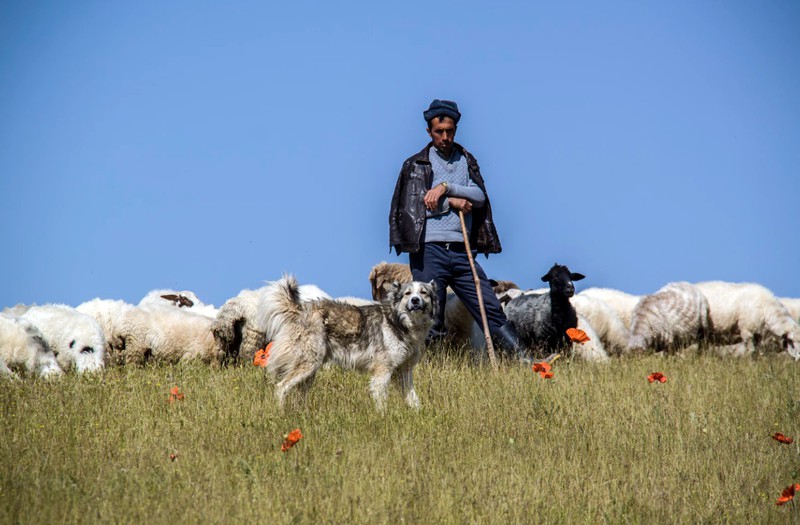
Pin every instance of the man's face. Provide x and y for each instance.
(442, 133)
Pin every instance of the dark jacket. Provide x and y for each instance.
(407, 214)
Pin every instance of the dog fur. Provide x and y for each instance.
(378, 339)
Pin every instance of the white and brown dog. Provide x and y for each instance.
(379, 339)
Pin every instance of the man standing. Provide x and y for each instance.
(432, 187)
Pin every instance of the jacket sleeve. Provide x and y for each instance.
(394, 213)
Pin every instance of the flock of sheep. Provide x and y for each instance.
(170, 326)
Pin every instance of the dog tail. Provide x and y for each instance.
(280, 308)
(279, 304)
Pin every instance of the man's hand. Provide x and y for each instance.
(460, 204)
(432, 197)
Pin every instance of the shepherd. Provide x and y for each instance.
(434, 185)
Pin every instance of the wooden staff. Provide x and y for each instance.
(489, 345)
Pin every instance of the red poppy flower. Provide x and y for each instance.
(175, 395)
(543, 369)
(788, 494)
(173, 456)
(262, 356)
(577, 336)
(777, 436)
(290, 439)
(657, 376)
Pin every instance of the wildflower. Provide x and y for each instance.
(543, 369)
(777, 436)
(788, 494)
(175, 395)
(290, 439)
(657, 376)
(577, 336)
(262, 356)
(173, 456)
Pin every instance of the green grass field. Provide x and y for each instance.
(595, 444)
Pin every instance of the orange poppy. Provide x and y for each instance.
(262, 356)
(577, 336)
(788, 494)
(290, 439)
(174, 395)
(544, 369)
(777, 436)
(657, 376)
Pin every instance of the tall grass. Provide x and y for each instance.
(594, 444)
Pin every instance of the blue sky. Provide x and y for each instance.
(212, 146)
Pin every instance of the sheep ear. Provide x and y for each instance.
(546, 277)
(171, 297)
(576, 276)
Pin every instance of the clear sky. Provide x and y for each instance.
(212, 146)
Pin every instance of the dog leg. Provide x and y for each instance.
(407, 387)
(378, 385)
(304, 373)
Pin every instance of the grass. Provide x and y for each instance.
(595, 444)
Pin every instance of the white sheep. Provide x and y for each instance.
(75, 338)
(675, 316)
(593, 350)
(109, 314)
(240, 330)
(745, 316)
(356, 301)
(164, 334)
(180, 299)
(623, 303)
(792, 305)
(604, 320)
(22, 347)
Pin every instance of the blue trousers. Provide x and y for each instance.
(447, 265)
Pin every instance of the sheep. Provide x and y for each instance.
(16, 310)
(356, 301)
(162, 333)
(622, 302)
(239, 329)
(792, 305)
(542, 320)
(109, 314)
(677, 315)
(22, 347)
(604, 320)
(746, 316)
(180, 299)
(384, 274)
(75, 338)
(593, 350)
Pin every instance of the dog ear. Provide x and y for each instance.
(433, 285)
(493, 283)
(576, 276)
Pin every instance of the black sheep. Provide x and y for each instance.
(542, 320)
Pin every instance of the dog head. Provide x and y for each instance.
(416, 299)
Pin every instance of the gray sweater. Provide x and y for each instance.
(443, 224)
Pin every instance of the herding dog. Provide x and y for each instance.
(380, 339)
